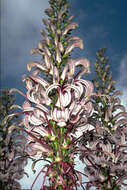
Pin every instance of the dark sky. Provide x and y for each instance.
(101, 23)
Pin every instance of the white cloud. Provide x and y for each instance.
(21, 22)
(123, 71)
(26, 182)
(17, 13)
(122, 80)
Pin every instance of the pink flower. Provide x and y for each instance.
(72, 99)
(70, 68)
(75, 44)
(69, 102)
(37, 150)
(70, 26)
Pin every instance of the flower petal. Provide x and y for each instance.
(75, 44)
(65, 97)
(39, 80)
(34, 120)
(36, 64)
(70, 26)
(55, 75)
(52, 87)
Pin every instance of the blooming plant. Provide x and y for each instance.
(56, 99)
(106, 162)
(59, 102)
(13, 157)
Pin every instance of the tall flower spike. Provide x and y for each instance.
(104, 145)
(56, 98)
(13, 157)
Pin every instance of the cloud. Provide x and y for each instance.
(17, 14)
(27, 182)
(123, 72)
(122, 80)
(21, 22)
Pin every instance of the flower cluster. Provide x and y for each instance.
(105, 154)
(56, 98)
(104, 148)
(13, 157)
(58, 102)
(72, 102)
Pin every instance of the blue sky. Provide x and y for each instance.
(101, 23)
